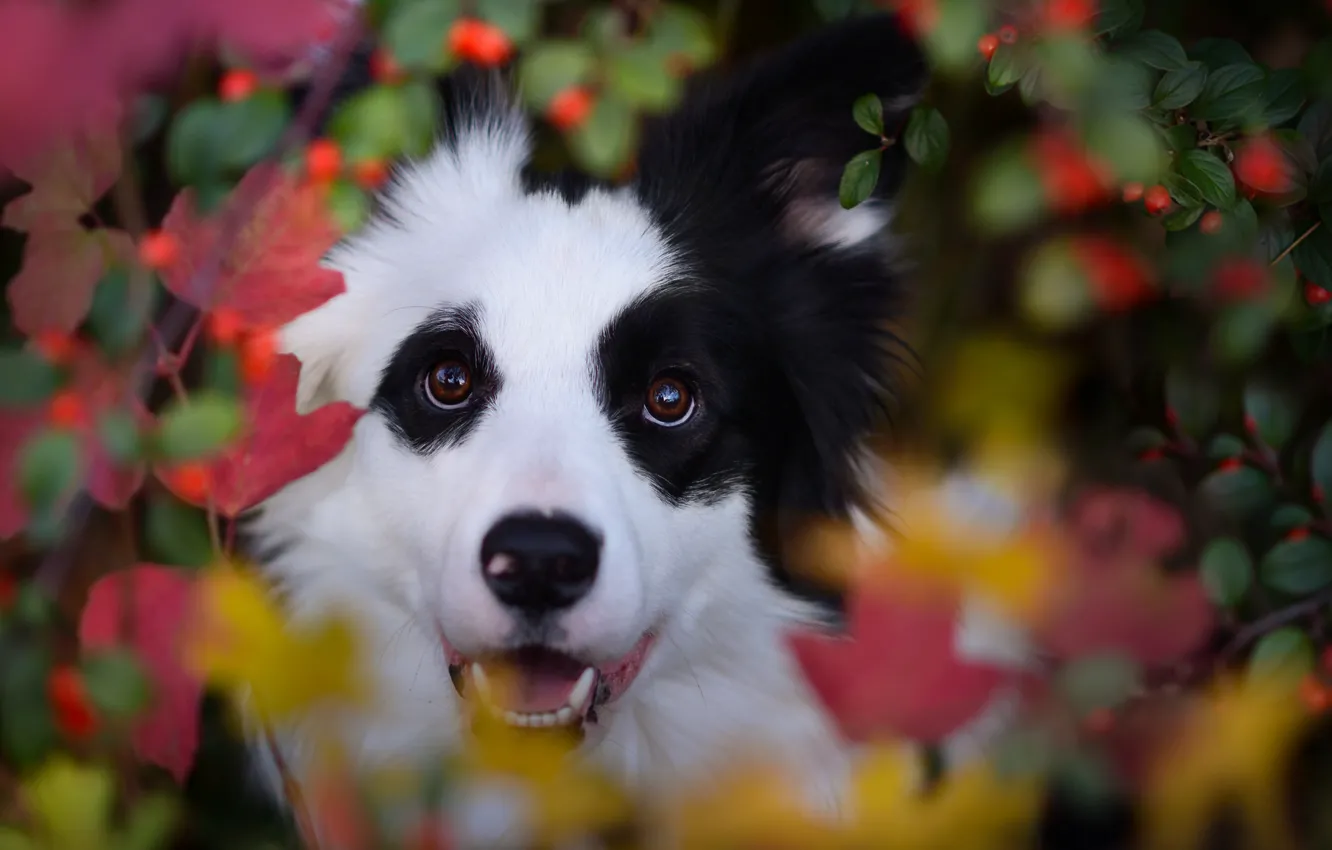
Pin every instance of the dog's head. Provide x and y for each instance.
(592, 408)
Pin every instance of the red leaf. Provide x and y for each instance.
(62, 264)
(272, 274)
(16, 426)
(279, 446)
(66, 181)
(151, 626)
(899, 673)
(104, 390)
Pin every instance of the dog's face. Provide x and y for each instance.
(587, 403)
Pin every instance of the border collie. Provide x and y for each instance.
(596, 411)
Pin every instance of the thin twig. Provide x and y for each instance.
(1274, 620)
(180, 318)
(1292, 246)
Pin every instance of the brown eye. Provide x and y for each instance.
(669, 402)
(448, 383)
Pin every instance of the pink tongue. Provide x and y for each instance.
(542, 681)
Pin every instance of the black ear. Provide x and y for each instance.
(743, 179)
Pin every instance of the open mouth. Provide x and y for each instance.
(542, 688)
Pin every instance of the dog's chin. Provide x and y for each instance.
(541, 688)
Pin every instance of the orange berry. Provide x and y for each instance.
(1072, 180)
(56, 346)
(159, 249)
(1230, 464)
(1240, 279)
(190, 481)
(1298, 533)
(1008, 34)
(1119, 279)
(1069, 14)
(237, 84)
(987, 45)
(258, 353)
(370, 173)
(570, 108)
(323, 160)
(1314, 694)
(1315, 294)
(385, 69)
(1261, 166)
(67, 409)
(224, 325)
(69, 700)
(1157, 200)
(1133, 192)
(479, 42)
(1211, 222)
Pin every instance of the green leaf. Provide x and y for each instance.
(1117, 18)
(1284, 652)
(385, 122)
(868, 112)
(1155, 49)
(1128, 144)
(119, 435)
(859, 178)
(253, 126)
(150, 824)
(1237, 493)
(640, 77)
(415, 33)
(176, 533)
(1180, 87)
(49, 467)
(679, 31)
(196, 143)
(1233, 96)
(116, 682)
(1273, 410)
(1180, 137)
(603, 143)
(1142, 439)
(118, 318)
(951, 42)
(520, 19)
(1316, 126)
(198, 428)
(1239, 333)
(350, 207)
(1194, 399)
(1098, 681)
(27, 732)
(1320, 461)
(1007, 66)
(1226, 571)
(29, 378)
(1313, 257)
(1128, 84)
(551, 67)
(1298, 567)
(1214, 180)
(1218, 52)
(1008, 191)
(1288, 517)
(927, 137)
(1224, 446)
(1283, 96)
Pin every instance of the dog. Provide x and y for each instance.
(594, 414)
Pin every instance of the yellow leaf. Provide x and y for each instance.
(70, 803)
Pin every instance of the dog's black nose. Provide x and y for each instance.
(539, 563)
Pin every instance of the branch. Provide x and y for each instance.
(179, 319)
(1292, 246)
(1272, 621)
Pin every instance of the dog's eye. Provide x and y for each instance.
(448, 383)
(669, 402)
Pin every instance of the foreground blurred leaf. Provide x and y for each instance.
(1286, 652)
(201, 427)
(29, 378)
(71, 803)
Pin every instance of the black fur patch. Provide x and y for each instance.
(401, 400)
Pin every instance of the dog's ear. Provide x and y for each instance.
(323, 340)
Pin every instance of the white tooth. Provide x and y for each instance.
(543, 719)
(515, 719)
(564, 715)
(582, 689)
(482, 683)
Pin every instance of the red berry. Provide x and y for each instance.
(1119, 279)
(323, 160)
(987, 45)
(1072, 180)
(384, 68)
(237, 85)
(67, 409)
(56, 346)
(1156, 200)
(1250, 424)
(1317, 494)
(258, 353)
(1230, 464)
(1069, 14)
(1133, 192)
(1171, 417)
(1240, 279)
(1298, 533)
(1151, 455)
(1211, 222)
(570, 108)
(479, 42)
(1315, 294)
(1261, 166)
(1314, 694)
(159, 250)
(370, 173)
(189, 481)
(69, 701)
(1326, 659)
(918, 17)
(224, 325)
(1008, 34)
(1099, 721)
(8, 590)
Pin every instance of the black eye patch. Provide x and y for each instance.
(450, 335)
